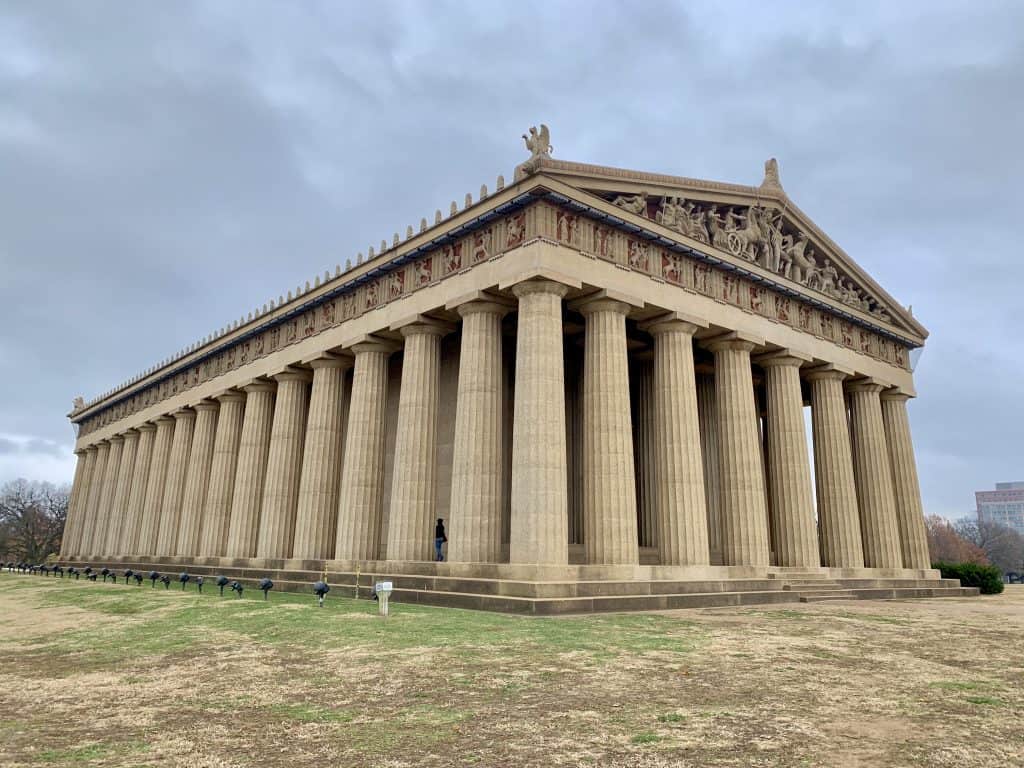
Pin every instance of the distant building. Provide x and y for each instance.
(1004, 505)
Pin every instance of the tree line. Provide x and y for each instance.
(32, 516)
(969, 540)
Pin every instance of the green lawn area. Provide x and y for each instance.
(117, 675)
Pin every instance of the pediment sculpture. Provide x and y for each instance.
(758, 234)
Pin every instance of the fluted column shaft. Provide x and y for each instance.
(744, 515)
(414, 481)
(362, 479)
(133, 516)
(907, 490)
(174, 488)
(838, 516)
(155, 487)
(872, 474)
(197, 478)
(284, 466)
(93, 511)
(475, 524)
(73, 516)
(708, 416)
(789, 466)
(72, 544)
(213, 537)
(681, 501)
(539, 524)
(609, 472)
(644, 457)
(251, 470)
(317, 512)
(119, 504)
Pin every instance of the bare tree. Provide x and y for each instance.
(32, 516)
(1003, 546)
(948, 546)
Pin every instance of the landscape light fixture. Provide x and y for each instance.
(72, 571)
(105, 572)
(236, 587)
(91, 577)
(266, 585)
(166, 581)
(128, 574)
(153, 576)
(183, 578)
(222, 581)
(199, 584)
(138, 579)
(320, 589)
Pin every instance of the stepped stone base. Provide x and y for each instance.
(540, 590)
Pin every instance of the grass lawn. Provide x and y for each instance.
(116, 675)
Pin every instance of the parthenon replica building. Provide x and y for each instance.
(596, 377)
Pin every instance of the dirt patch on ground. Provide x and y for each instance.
(222, 684)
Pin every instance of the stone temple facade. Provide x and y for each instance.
(592, 375)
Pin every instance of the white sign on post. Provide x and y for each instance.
(383, 590)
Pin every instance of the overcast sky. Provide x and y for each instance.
(167, 167)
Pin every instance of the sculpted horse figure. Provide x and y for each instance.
(743, 242)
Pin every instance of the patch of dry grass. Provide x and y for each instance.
(104, 675)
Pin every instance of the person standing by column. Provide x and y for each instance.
(439, 540)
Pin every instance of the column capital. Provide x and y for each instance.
(783, 358)
(480, 301)
(369, 343)
(183, 413)
(231, 395)
(115, 439)
(330, 360)
(896, 394)
(165, 419)
(259, 386)
(866, 384)
(528, 287)
(829, 371)
(606, 300)
(738, 340)
(419, 325)
(673, 322)
(292, 374)
(206, 405)
(145, 427)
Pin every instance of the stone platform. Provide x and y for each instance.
(545, 591)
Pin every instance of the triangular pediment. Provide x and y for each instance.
(758, 226)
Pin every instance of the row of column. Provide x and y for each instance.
(259, 473)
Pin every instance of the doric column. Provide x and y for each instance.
(414, 480)
(72, 542)
(744, 515)
(174, 488)
(789, 466)
(284, 466)
(475, 524)
(872, 474)
(609, 474)
(539, 524)
(907, 491)
(119, 504)
(362, 477)
(321, 474)
(251, 470)
(682, 511)
(838, 518)
(197, 478)
(99, 540)
(93, 511)
(155, 486)
(131, 531)
(213, 537)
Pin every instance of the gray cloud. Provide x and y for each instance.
(168, 167)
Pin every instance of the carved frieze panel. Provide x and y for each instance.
(473, 249)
